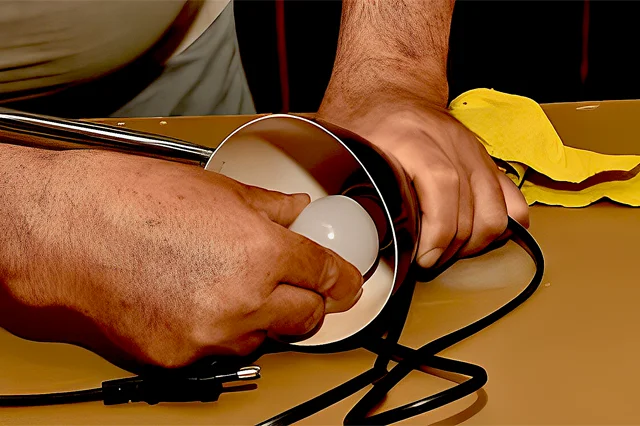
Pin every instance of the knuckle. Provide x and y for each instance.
(446, 175)
(494, 226)
(266, 246)
(247, 345)
(196, 335)
(249, 304)
(170, 357)
(239, 302)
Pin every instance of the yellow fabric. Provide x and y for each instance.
(516, 130)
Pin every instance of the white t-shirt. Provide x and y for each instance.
(49, 43)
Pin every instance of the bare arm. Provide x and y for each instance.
(25, 219)
(390, 51)
(148, 261)
(389, 84)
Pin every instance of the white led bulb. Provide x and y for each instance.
(342, 225)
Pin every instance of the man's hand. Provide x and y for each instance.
(389, 85)
(166, 262)
(463, 195)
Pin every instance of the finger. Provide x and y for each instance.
(332, 306)
(303, 263)
(438, 190)
(490, 212)
(465, 222)
(517, 206)
(281, 208)
(291, 311)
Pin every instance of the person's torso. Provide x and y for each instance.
(52, 43)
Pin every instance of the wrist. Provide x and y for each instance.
(359, 105)
(390, 56)
(369, 120)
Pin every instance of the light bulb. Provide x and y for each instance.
(341, 224)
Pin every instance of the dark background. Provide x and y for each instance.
(529, 48)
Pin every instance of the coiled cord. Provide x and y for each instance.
(411, 359)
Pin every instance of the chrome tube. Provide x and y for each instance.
(41, 131)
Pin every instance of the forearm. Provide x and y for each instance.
(63, 235)
(64, 220)
(391, 50)
(26, 177)
(41, 248)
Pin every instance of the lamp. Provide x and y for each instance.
(292, 154)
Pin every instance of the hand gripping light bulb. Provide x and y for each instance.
(346, 175)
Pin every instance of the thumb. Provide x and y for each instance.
(279, 207)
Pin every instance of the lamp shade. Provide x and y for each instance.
(292, 154)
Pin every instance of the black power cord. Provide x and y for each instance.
(207, 389)
(149, 389)
(35, 400)
(411, 359)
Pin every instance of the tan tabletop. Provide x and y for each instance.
(567, 356)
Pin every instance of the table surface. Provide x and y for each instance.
(567, 356)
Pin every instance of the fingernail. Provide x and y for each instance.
(332, 306)
(430, 258)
